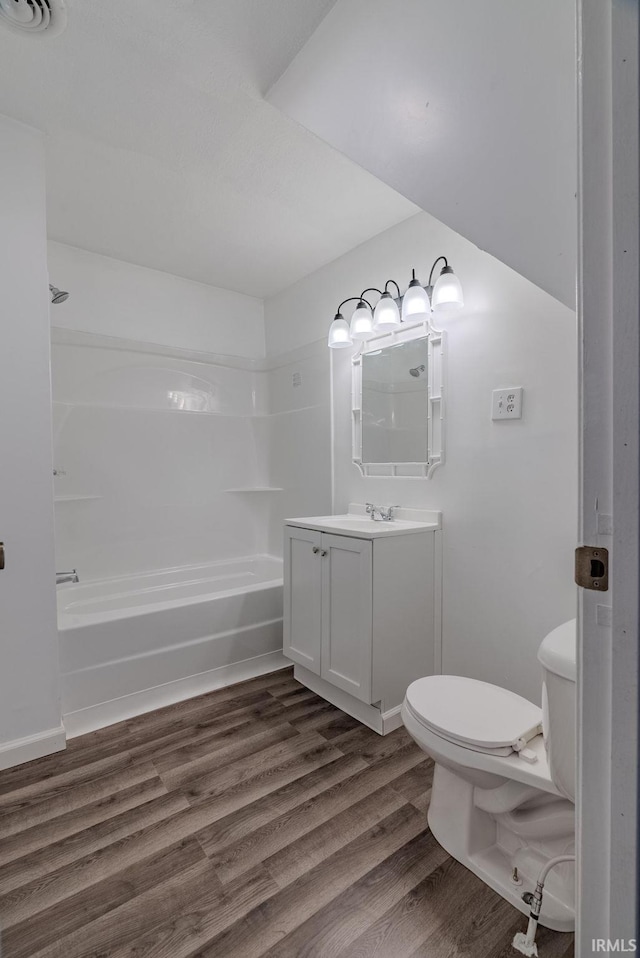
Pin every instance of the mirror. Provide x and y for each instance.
(398, 403)
(394, 403)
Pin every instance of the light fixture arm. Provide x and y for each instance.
(446, 263)
(396, 286)
(370, 289)
(359, 299)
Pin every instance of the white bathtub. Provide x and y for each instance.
(131, 644)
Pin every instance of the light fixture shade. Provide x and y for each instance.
(447, 292)
(339, 336)
(361, 327)
(386, 315)
(415, 303)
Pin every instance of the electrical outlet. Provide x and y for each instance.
(507, 403)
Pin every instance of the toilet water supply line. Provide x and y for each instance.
(525, 942)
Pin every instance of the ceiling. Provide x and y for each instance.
(161, 150)
(468, 108)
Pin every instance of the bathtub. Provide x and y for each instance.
(136, 643)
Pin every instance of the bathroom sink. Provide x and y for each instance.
(363, 527)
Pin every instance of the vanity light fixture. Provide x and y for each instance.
(446, 295)
(339, 332)
(361, 328)
(417, 303)
(339, 335)
(386, 315)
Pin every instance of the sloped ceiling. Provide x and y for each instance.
(467, 108)
(162, 151)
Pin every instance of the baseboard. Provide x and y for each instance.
(391, 720)
(117, 710)
(22, 750)
(369, 715)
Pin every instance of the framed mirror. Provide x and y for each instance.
(398, 403)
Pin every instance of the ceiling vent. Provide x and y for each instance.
(36, 18)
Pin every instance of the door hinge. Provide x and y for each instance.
(592, 568)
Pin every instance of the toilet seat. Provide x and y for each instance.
(473, 714)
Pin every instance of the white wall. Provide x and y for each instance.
(507, 490)
(466, 108)
(29, 692)
(113, 298)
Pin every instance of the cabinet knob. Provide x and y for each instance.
(323, 552)
(315, 550)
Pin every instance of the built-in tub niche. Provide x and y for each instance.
(398, 402)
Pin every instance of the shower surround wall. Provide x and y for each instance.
(299, 396)
(159, 406)
(147, 450)
(179, 448)
(162, 488)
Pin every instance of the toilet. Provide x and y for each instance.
(502, 801)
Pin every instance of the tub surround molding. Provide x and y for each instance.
(60, 336)
(27, 749)
(310, 350)
(75, 337)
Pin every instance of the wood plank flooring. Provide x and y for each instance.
(254, 822)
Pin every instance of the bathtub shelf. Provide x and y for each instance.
(72, 498)
(256, 489)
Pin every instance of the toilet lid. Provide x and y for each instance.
(472, 713)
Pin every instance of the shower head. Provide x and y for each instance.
(415, 372)
(58, 295)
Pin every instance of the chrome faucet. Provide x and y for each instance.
(378, 513)
(62, 577)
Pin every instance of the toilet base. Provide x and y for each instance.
(490, 846)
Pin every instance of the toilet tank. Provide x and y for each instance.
(557, 655)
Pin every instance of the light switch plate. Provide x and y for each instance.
(507, 403)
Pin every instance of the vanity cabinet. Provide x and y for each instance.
(328, 600)
(362, 614)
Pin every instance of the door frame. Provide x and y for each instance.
(608, 322)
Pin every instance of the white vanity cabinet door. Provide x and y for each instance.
(302, 597)
(347, 614)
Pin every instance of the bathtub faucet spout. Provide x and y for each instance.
(62, 577)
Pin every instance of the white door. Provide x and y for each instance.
(302, 597)
(347, 614)
(608, 308)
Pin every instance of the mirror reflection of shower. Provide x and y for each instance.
(394, 403)
(58, 295)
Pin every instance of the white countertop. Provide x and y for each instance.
(356, 523)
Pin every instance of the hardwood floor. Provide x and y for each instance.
(256, 822)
